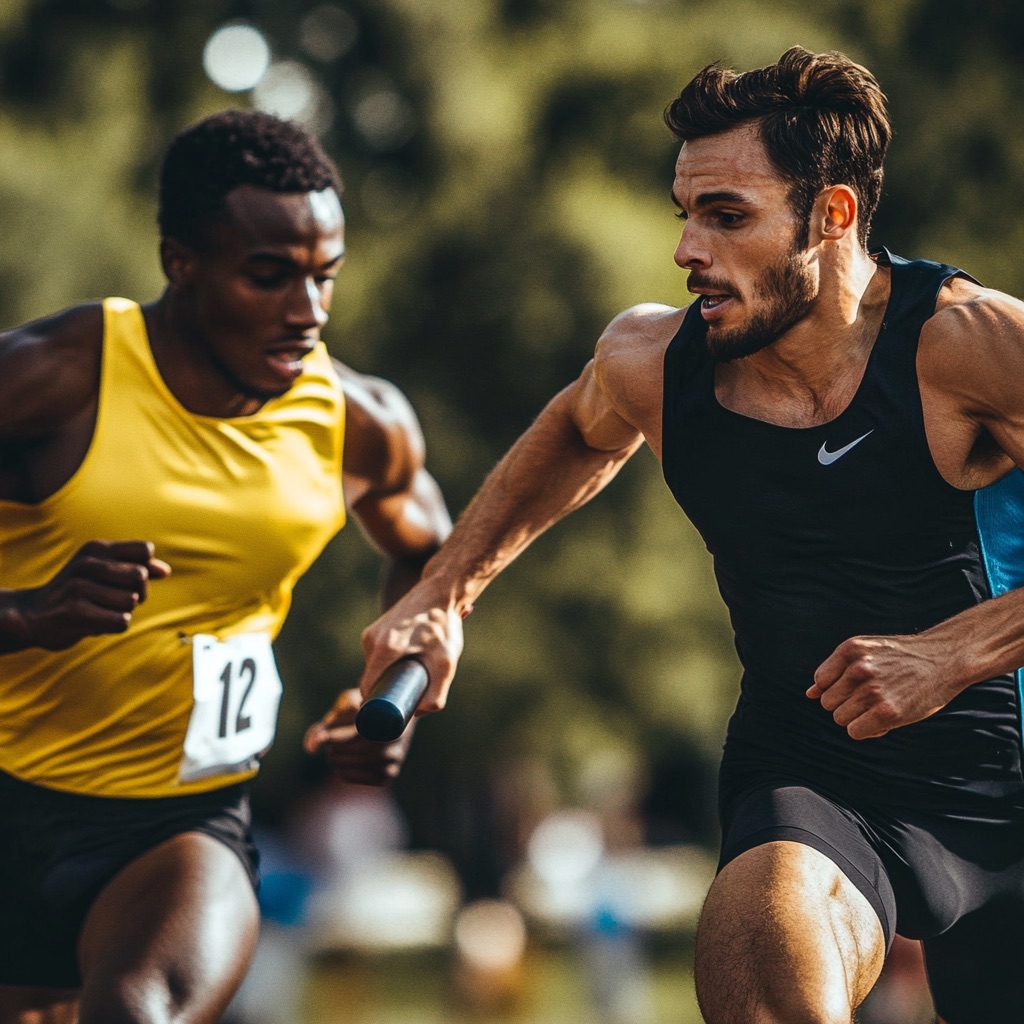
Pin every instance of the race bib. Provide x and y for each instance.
(236, 692)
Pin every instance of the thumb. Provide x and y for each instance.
(342, 712)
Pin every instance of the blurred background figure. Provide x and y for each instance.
(490, 946)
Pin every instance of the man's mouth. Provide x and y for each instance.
(713, 306)
(712, 294)
(286, 360)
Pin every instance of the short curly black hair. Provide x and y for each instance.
(235, 147)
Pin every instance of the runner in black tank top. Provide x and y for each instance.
(853, 460)
(847, 528)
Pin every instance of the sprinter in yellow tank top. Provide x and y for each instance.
(167, 472)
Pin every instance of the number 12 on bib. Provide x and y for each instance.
(236, 694)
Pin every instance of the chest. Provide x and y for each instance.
(863, 485)
(234, 508)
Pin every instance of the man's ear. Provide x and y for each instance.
(837, 210)
(178, 261)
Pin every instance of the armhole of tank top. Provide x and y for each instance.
(102, 393)
(944, 273)
(339, 467)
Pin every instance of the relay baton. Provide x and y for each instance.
(392, 701)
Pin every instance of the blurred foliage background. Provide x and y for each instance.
(507, 178)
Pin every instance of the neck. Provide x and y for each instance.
(187, 365)
(809, 374)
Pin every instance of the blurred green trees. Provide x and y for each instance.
(507, 178)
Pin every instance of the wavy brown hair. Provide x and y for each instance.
(822, 118)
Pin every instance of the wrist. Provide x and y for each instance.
(448, 592)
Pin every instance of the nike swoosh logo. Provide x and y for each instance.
(826, 458)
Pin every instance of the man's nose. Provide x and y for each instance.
(691, 252)
(308, 306)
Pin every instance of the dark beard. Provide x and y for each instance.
(790, 294)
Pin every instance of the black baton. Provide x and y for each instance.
(392, 701)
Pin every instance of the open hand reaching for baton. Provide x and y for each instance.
(352, 757)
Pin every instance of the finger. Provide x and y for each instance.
(158, 569)
(839, 693)
(866, 727)
(314, 738)
(851, 709)
(350, 757)
(325, 732)
(828, 673)
(87, 594)
(342, 737)
(344, 709)
(120, 562)
(128, 576)
(81, 621)
(435, 698)
(141, 552)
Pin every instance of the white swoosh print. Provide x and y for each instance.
(826, 458)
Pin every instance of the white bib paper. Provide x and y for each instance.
(236, 691)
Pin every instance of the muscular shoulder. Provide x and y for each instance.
(384, 445)
(49, 370)
(972, 349)
(629, 358)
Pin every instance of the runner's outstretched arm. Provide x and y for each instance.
(574, 448)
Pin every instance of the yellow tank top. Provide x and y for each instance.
(239, 507)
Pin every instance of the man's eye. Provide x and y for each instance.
(730, 220)
(267, 280)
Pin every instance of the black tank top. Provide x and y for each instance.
(822, 533)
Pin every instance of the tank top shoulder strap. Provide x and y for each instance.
(915, 288)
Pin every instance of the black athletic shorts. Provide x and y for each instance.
(956, 882)
(58, 850)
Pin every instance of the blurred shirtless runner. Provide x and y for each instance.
(845, 430)
(167, 473)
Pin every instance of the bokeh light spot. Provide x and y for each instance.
(328, 32)
(289, 90)
(383, 118)
(236, 57)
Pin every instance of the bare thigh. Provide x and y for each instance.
(170, 937)
(785, 938)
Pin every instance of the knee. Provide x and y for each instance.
(766, 989)
(785, 939)
(143, 1001)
